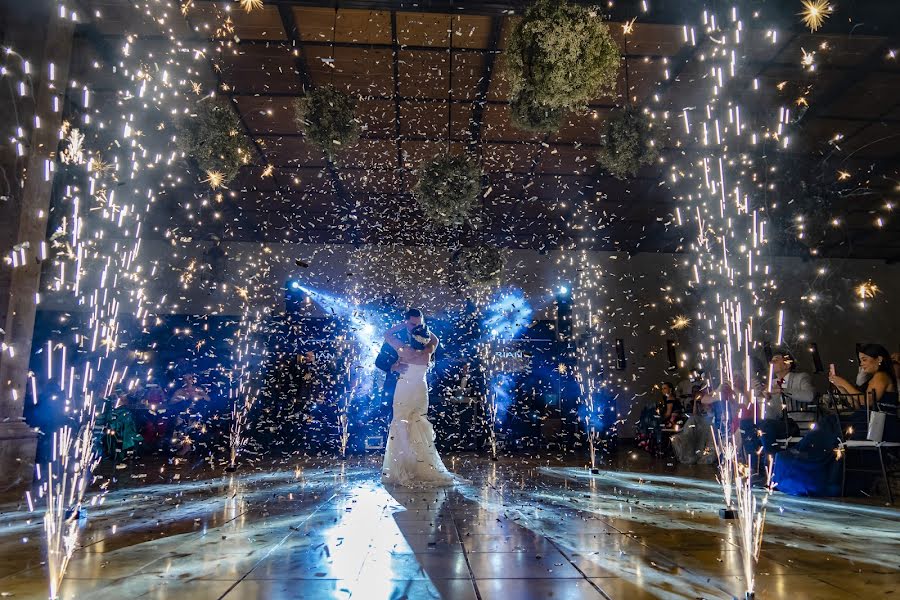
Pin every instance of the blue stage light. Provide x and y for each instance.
(508, 314)
(563, 290)
(295, 285)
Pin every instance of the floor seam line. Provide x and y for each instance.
(276, 546)
(574, 566)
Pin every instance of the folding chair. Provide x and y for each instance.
(872, 445)
(803, 414)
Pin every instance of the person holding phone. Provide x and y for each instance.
(879, 383)
(879, 388)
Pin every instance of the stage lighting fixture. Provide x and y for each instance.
(295, 285)
(563, 290)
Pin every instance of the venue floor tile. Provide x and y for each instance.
(517, 529)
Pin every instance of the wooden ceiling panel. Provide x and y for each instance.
(314, 24)
(414, 152)
(566, 159)
(305, 180)
(260, 24)
(364, 71)
(267, 114)
(468, 71)
(815, 133)
(497, 126)
(261, 70)
(654, 39)
(291, 151)
(364, 26)
(429, 119)
(424, 119)
(870, 104)
(462, 115)
(839, 50)
(582, 127)
(471, 31)
(423, 29)
(376, 117)
(370, 154)
(506, 184)
(553, 188)
(353, 25)
(113, 17)
(644, 77)
(372, 183)
(877, 141)
(423, 74)
(509, 157)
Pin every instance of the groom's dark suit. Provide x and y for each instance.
(387, 356)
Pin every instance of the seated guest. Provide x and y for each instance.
(879, 387)
(694, 444)
(787, 384)
(671, 409)
(895, 361)
(155, 426)
(189, 402)
(121, 431)
(813, 468)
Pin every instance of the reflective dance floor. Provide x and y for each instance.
(521, 529)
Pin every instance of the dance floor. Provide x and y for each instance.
(521, 529)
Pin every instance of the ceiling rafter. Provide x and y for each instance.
(291, 30)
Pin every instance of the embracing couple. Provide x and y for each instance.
(410, 457)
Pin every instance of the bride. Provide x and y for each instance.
(410, 458)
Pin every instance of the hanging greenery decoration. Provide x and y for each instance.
(327, 117)
(481, 264)
(564, 53)
(212, 136)
(529, 115)
(448, 187)
(628, 144)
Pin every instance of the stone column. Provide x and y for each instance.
(25, 212)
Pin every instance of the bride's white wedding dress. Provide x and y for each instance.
(410, 458)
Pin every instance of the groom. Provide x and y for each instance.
(387, 359)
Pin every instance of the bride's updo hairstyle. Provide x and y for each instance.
(419, 337)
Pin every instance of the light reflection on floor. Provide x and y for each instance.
(519, 530)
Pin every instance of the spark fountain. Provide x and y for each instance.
(243, 391)
(587, 322)
(108, 176)
(724, 198)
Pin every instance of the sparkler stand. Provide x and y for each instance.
(727, 513)
(231, 468)
(595, 471)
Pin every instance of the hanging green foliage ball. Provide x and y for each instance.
(448, 187)
(212, 135)
(529, 115)
(327, 117)
(564, 53)
(628, 144)
(481, 264)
